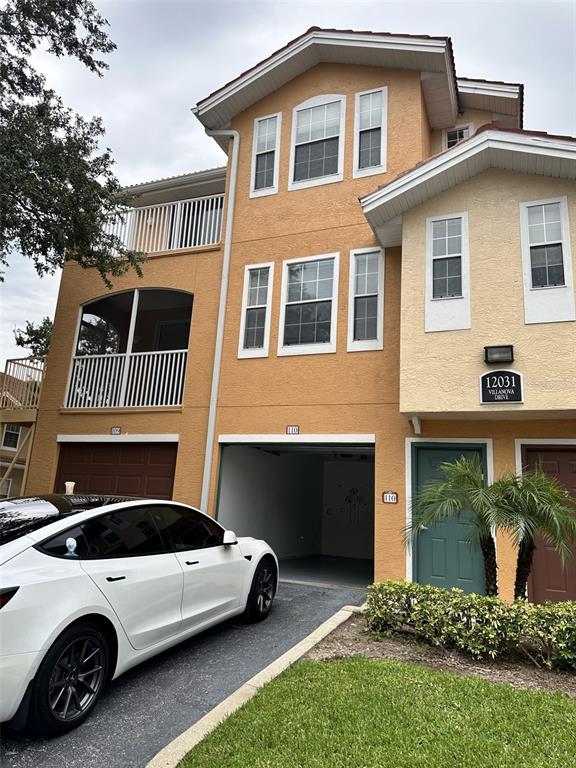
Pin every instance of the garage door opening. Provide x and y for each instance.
(313, 504)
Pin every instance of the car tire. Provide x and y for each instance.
(70, 680)
(262, 590)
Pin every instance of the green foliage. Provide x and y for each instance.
(57, 189)
(475, 624)
(36, 338)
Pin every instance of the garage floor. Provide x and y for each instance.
(321, 569)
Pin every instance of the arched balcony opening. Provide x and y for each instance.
(131, 350)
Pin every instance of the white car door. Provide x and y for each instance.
(214, 574)
(140, 577)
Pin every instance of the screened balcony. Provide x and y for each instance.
(174, 226)
(131, 351)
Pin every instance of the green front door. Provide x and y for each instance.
(443, 555)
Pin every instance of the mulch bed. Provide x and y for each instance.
(352, 639)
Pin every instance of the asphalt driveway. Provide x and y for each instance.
(150, 705)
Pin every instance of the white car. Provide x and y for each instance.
(90, 586)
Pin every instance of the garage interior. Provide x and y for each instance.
(314, 504)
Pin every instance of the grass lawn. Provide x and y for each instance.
(360, 712)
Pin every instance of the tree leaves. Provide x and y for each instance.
(57, 188)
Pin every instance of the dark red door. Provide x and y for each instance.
(126, 469)
(549, 580)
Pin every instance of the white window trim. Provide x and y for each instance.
(378, 342)
(274, 188)
(10, 447)
(317, 101)
(552, 303)
(8, 489)
(361, 172)
(458, 127)
(263, 351)
(450, 313)
(309, 349)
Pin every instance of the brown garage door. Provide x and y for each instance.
(131, 469)
(549, 580)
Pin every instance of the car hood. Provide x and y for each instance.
(13, 548)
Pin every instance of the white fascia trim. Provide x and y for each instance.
(274, 188)
(554, 303)
(327, 439)
(317, 101)
(445, 131)
(361, 172)
(263, 351)
(480, 142)
(551, 441)
(417, 45)
(450, 313)
(486, 441)
(478, 88)
(378, 342)
(161, 438)
(309, 349)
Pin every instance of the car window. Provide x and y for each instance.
(186, 528)
(123, 533)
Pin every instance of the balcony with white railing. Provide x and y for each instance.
(193, 223)
(132, 351)
(20, 387)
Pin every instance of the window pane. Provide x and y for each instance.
(447, 277)
(187, 529)
(254, 328)
(123, 533)
(264, 176)
(365, 318)
(307, 323)
(316, 160)
(57, 545)
(536, 214)
(11, 436)
(551, 212)
(369, 148)
(266, 138)
(547, 265)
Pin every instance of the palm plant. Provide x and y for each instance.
(463, 494)
(531, 503)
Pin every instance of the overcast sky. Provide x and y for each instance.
(171, 53)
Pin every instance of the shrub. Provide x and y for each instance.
(475, 624)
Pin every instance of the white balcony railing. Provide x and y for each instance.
(136, 380)
(21, 383)
(171, 227)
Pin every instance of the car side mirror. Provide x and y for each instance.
(229, 538)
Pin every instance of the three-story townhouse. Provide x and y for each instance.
(299, 358)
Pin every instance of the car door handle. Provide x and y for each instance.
(192, 562)
(115, 578)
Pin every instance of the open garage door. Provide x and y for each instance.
(126, 469)
(313, 504)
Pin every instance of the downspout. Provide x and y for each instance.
(235, 136)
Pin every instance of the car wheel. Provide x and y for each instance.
(69, 681)
(262, 590)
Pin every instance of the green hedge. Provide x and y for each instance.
(475, 624)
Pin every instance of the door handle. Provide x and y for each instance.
(115, 578)
(192, 562)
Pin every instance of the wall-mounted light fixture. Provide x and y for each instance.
(502, 353)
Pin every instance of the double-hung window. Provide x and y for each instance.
(370, 132)
(265, 155)
(11, 436)
(446, 258)
(309, 305)
(547, 261)
(317, 142)
(545, 238)
(454, 136)
(366, 300)
(256, 306)
(447, 273)
(5, 488)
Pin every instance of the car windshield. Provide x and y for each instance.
(21, 516)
